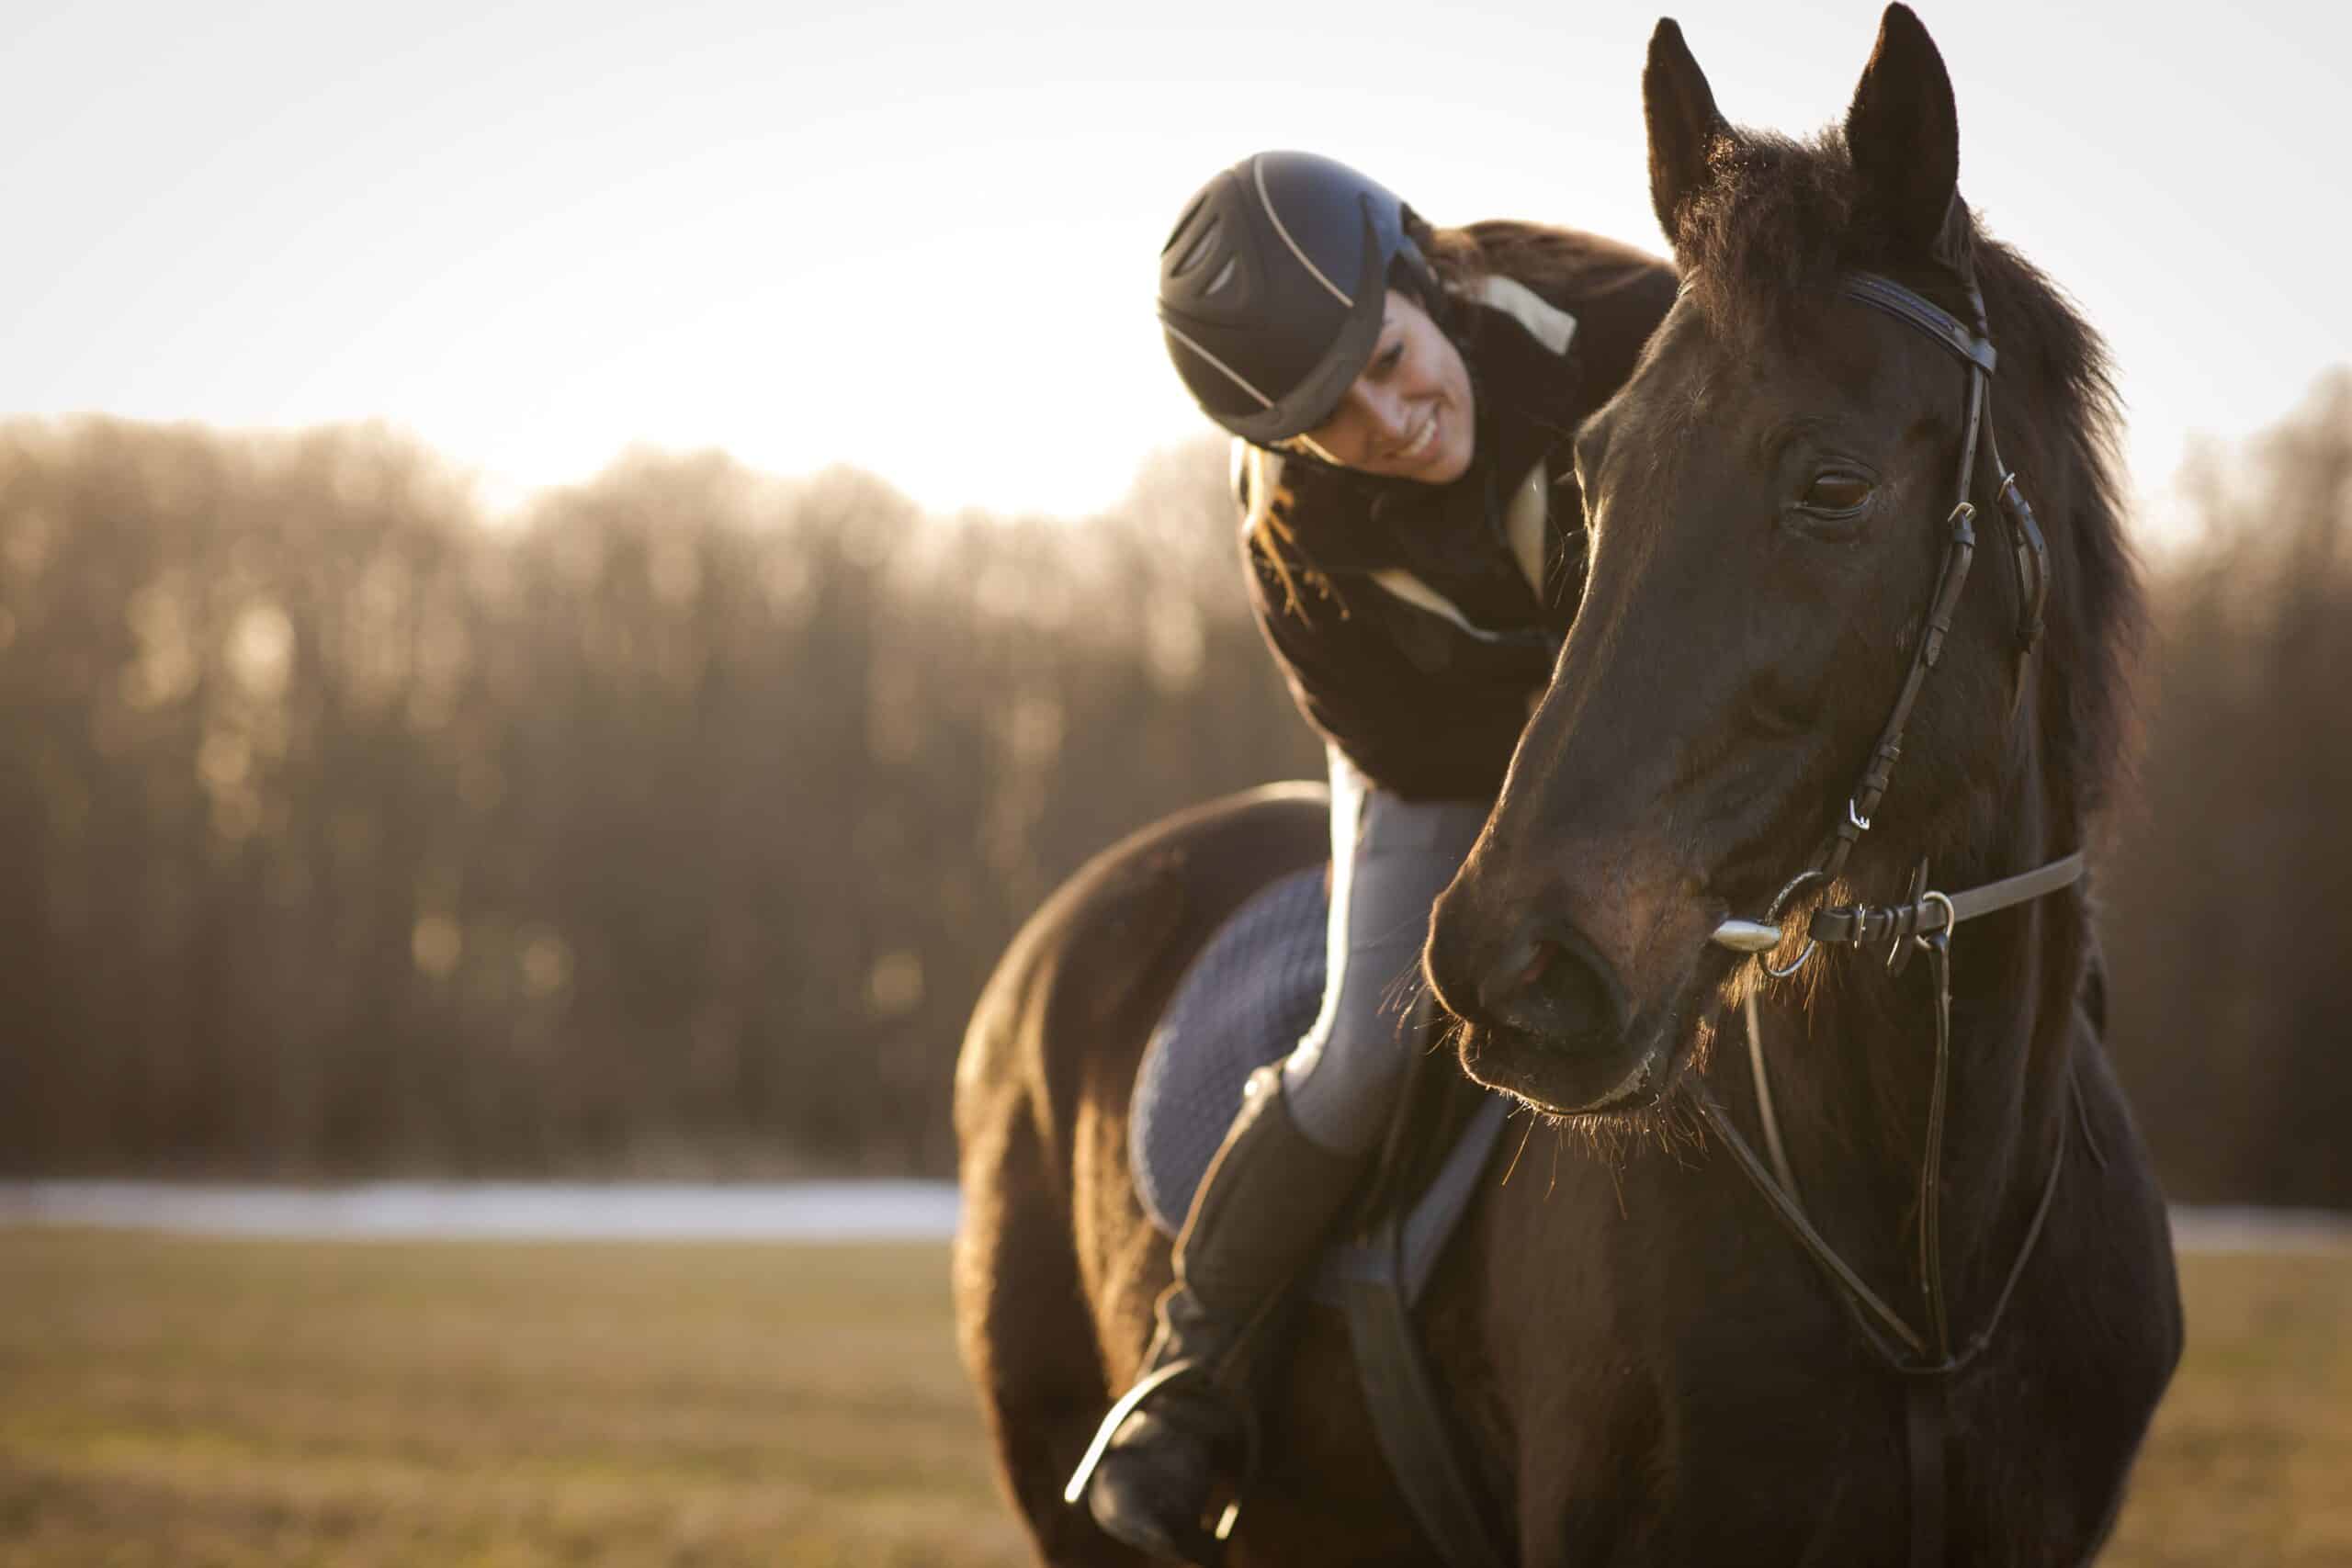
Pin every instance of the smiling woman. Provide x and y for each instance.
(1403, 397)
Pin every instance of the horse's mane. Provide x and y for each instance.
(1763, 244)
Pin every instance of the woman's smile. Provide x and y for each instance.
(1406, 416)
(1424, 434)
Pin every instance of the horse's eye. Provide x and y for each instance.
(1837, 494)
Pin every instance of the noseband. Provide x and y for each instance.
(1923, 1358)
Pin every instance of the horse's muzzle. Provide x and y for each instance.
(1546, 1019)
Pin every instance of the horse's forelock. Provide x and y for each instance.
(1768, 231)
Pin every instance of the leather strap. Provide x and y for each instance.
(1870, 289)
(1949, 580)
(1926, 1410)
(1869, 925)
(1882, 1327)
(1409, 1417)
(1974, 347)
(1375, 1282)
(2021, 889)
(1879, 1324)
(1926, 1424)
(1427, 1225)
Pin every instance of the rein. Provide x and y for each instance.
(1904, 1348)
(1925, 922)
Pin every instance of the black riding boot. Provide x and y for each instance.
(1267, 1200)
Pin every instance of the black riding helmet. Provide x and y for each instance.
(1272, 290)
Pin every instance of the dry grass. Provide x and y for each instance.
(2250, 1464)
(194, 1402)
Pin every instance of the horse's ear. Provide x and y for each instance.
(1905, 134)
(1684, 124)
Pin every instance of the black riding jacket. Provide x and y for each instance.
(1406, 618)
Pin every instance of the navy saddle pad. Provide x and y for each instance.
(1254, 990)
(1244, 1001)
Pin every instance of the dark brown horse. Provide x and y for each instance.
(1646, 1367)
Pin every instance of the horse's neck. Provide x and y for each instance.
(1853, 1072)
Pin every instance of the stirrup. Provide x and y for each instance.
(1133, 1400)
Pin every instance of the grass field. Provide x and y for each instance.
(184, 1402)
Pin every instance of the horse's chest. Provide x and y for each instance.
(1796, 1461)
(1679, 1419)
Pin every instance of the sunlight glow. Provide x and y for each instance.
(922, 243)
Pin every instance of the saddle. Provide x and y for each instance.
(1249, 994)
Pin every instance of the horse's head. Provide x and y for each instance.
(1768, 499)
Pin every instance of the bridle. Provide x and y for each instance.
(2031, 559)
(1923, 1358)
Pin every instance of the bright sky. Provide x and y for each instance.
(920, 237)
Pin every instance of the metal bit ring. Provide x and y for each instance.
(1951, 919)
(1803, 879)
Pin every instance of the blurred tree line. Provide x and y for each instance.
(2228, 903)
(672, 827)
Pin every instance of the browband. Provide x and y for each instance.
(1947, 328)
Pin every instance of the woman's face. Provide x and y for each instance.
(1408, 416)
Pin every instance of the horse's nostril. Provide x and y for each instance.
(1551, 986)
(1537, 962)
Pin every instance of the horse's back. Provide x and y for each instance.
(1075, 995)
(1056, 1264)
